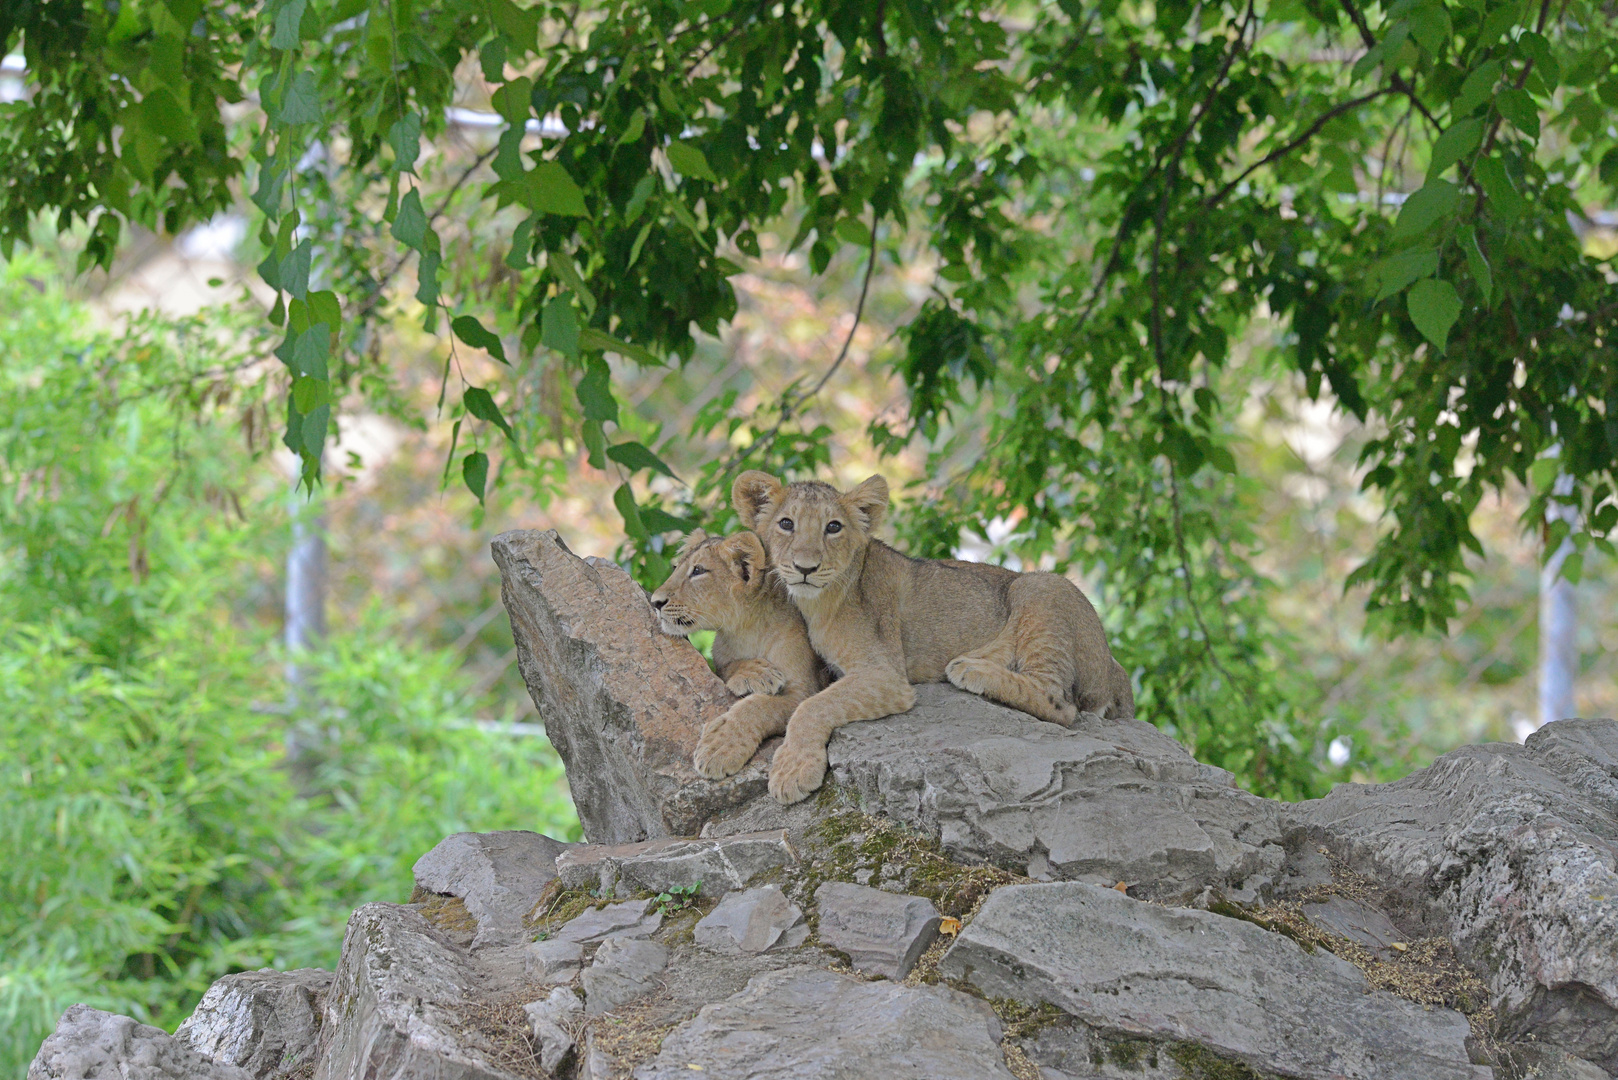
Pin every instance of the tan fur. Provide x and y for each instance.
(760, 645)
(883, 621)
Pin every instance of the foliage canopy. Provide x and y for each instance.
(1113, 195)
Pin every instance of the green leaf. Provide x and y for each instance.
(634, 129)
(658, 520)
(638, 197)
(469, 330)
(595, 393)
(1481, 274)
(427, 279)
(640, 240)
(562, 266)
(689, 161)
(1608, 169)
(514, 101)
(595, 444)
(1478, 88)
(559, 326)
(548, 189)
(1538, 48)
(294, 273)
(324, 310)
(1430, 26)
(1397, 271)
(591, 338)
(1460, 140)
(1436, 200)
(310, 352)
(475, 472)
(1497, 185)
(1434, 307)
(1542, 474)
(301, 102)
(492, 59)
(632, 456)
(1518, 107)
(480, 403)
(314, 432)
(285, 32)
(624, 500)
(854, 231)
(410, 225)
(405, 139)
(308, 394)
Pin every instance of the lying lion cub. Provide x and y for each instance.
(882, 621)
(760, 645)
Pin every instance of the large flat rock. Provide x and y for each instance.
(1178, 976)
(89, 1044)
(1103, 801)
(812, 1024)
(267, 1022)
(622, 702)
(1511, 852)
(498, 876)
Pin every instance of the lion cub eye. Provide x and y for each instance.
(833, 527)
(785, 524)
(698, 571)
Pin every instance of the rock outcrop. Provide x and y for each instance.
(975, 894)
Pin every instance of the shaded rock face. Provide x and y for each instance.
(818, 1025)
(267, 1022)
(1185, 976)
(1512, 853)
(622, 702)
(89, 1044)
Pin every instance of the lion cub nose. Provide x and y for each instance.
(805, 570)
(658, 604)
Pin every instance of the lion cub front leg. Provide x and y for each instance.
(754, 676)
(799, 766)
(730, 739)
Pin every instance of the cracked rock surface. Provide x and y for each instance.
(266, 1022)
(89, 1044)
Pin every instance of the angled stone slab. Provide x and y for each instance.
(397, 1006)
(89, 1044)
(267, 1022)
(752, 921)
(623, 703)
(812, 1024)
(1177, 975)
(883, 933)
(1512, 853)
(632, 918)
(624, 969)
(1103, 801)
(718, 864)
(497, 875)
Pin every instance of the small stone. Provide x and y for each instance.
(863, 876)
(554, 960)
(550, 1018)
(1355, 921)
(882, 933)
(753, 921)
(624, 969)
(632, 919)
(497, 875)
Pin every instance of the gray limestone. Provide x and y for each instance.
(624, 969)
(89, 1044)
(753, 921)
(267, 1022)
(497, 875)
(1171, 975)
(1354, 920)
(553, 960)
(718, 865)
(811, 1024)
(881, 933)
(632, 918)
(553, 1020)
(1511, 852)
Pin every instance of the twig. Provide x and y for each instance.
(1394, 77)
(1280, 152)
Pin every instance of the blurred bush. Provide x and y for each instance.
(152, 836)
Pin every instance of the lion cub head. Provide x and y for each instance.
(714, 584)
(812, 532)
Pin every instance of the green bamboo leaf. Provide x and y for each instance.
(1434, 307)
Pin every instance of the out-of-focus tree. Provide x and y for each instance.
(1111, 195)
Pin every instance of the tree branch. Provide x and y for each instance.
(1358, 19)
(1282, 151)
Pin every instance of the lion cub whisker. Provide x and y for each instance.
(760, 645)
(886, 621)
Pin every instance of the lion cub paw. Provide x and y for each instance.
(971, 673)
(765, 680)
(797, 770)
(723, 750)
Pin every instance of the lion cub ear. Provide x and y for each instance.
(747, 557)
(751, 493)
(869, 501)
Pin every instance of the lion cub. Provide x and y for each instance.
(883, 621)
(760, 645)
